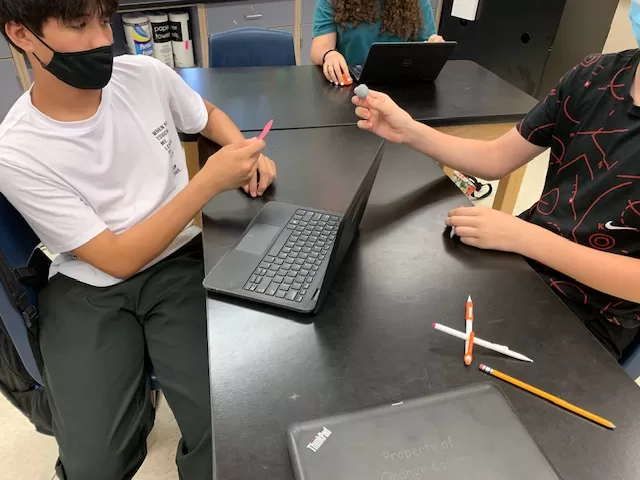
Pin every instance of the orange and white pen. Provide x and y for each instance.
(468, 318)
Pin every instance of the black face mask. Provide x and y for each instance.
(88, 70)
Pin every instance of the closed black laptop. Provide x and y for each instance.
(464, 434)
(402, 62)
(289, 254)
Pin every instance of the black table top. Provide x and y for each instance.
(372, 342)
(300, 97)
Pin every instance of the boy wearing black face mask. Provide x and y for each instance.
(90, 156)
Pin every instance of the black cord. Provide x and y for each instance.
(479, 185)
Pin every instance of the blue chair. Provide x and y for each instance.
(251, 47)
(19, 242)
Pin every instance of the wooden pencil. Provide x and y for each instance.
(548, 396)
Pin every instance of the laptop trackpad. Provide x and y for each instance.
(258, 238)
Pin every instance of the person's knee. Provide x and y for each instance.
(114, 455)
(103, 465)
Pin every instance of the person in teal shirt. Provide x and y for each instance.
(344, 30)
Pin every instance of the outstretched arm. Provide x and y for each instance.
(610, 273)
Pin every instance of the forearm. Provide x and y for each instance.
(124, 254)
(317, 53)
(220, 128)
(474, 157)
(610, 273)
(320, 46)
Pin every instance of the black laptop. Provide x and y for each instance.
(289, 254)
(403, 62)
(469, 433)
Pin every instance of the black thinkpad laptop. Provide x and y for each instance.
(289, 254)
(470, 433)
(403, 62)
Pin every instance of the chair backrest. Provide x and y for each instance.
(17, 245)
(251, 47)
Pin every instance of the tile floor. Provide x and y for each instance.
(28, 455)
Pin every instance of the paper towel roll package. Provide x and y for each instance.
(161, 36)
(181, 40)
(137, 30)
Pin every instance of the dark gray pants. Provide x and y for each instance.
(615, 338)
(97, 344)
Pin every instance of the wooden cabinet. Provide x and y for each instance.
(306, 35)
(306, 31)
(305, 42)
(231, 15)
(308, 8)
(270, 14)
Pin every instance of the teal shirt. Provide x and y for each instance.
(354, 43)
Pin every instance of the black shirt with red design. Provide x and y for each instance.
(592, 190)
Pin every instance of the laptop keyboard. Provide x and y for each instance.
(290, 266)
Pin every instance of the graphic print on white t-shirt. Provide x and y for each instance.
(73, 180)
(162, 135)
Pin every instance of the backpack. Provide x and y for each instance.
(23, 271)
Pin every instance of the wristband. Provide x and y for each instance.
(327, 53)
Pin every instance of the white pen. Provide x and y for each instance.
(503, 349)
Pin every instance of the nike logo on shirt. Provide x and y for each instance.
(611, 226)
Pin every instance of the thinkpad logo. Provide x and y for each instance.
(319, 440)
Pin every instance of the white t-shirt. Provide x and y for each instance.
(73, 180)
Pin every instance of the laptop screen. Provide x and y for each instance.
(351, 221)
